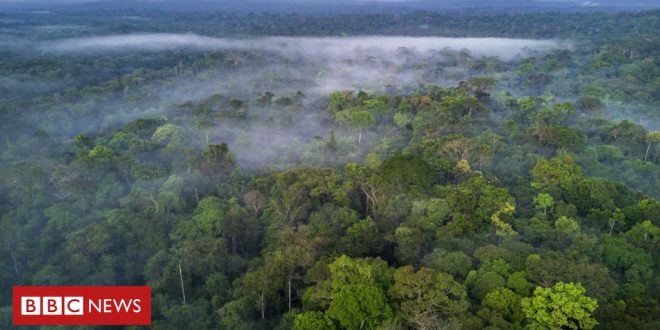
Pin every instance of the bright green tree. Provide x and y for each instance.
(312, 321)
(563, 306)
(567, 225)
(544, 201)
(360, 307)
(503, 230)
(560, 171)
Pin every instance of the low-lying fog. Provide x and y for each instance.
(283, 66)
(331, 47)
(367, 62)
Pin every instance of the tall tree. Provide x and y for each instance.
(425, 297)
(564, 306)
(357, 119)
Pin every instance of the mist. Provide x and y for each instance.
(315, 66)
(331, 47)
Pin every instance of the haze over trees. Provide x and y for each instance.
(310, 183)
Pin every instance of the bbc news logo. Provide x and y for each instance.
(52, 305)
(81, 305)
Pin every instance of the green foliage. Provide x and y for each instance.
(567, 226)
(480, 283)
(424, 297)
(209, 214)
(519, 284)
(544, 201)
(479, 200)
(631, 262)
(406, 171)
(312, 321)
(401, 120)
(505, 302)
(456, 263)
(556, 172)
(168, 134)
(503, 229)
(562, 306)
(356, 119)
(347, 271)
(359, 306)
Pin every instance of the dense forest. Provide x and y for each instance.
(299, 171)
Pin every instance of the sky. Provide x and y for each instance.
(438, 2)
(326, 7)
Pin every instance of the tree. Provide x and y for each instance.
(480, 85)
(503, 230)
(505, 302)
(589, 104)
(256, 200)
(645, 235)
(424, 297)
(362, 239)
(288, 261)
(525, 108)
(463, 106)
(170, 135)
(362, 181)
(651, 138)
(313, 320)
(340, 100)
(567, 226)
(297, 191)
(329, 225)
(198, 245)
(233, 315)
(332, 144)
(556, 172)
(360, 307)
(409, 243)
(493, 140)
(616, 217)
(401, 120)
(628, 136)
(357, 119)
(348, 271)
(459, 149)
(477, 201)
(400, 173)
(345, 271)
(257, 289)
(456, 263)
(544, 201)
(217, 160)
(518, 283)
(209, 214)
(631, 262)
(482, 282)
(564, 306)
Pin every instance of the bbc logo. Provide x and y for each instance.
(52, 305)
(81, 305)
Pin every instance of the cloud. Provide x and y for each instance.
(332, 47)
(314, 65)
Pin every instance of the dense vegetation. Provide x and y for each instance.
(519, 193)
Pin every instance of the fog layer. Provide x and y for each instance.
(335, 47)
(253, 67)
